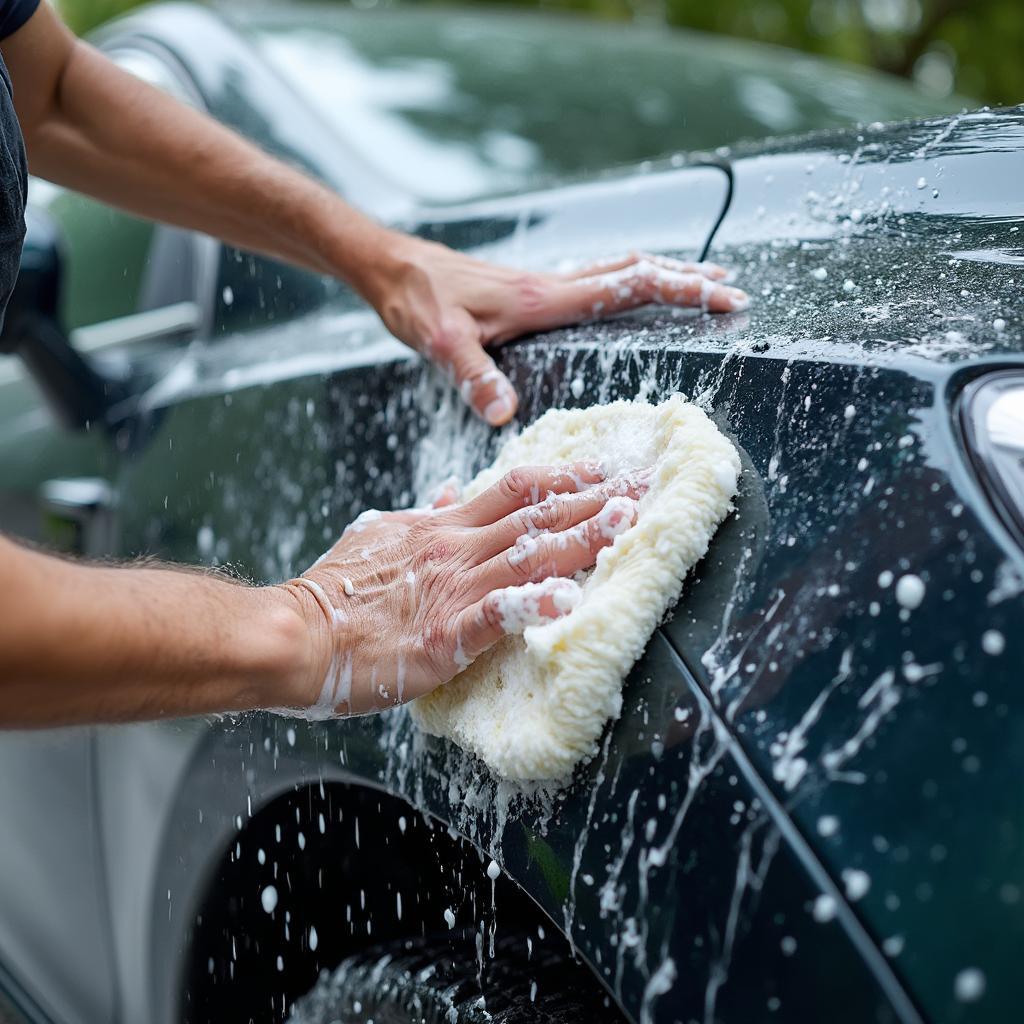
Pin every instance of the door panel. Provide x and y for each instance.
(53, 933)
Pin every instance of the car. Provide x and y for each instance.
(809, 808)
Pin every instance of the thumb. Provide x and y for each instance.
(483, 387)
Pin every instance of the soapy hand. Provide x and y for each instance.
(451, 307)
(405, 600)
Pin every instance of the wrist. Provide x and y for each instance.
(372, 262)
(283, 649)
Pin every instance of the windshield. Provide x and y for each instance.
(452, 105)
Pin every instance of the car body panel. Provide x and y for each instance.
(318, 447)
(715, 893)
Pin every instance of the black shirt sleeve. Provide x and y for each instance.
(14, 14)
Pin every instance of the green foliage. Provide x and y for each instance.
(83, 15)
(972, 47)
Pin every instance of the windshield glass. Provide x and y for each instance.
(452, 105)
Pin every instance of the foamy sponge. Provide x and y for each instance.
(535, 704)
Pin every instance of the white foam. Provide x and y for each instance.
(535, 705)
(824, 908)
(269, 898)
(969, 985)
(857, 883)
(993, 642)
(910, 591)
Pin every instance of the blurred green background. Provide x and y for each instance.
(972, 47)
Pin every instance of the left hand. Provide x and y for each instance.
(450, 307)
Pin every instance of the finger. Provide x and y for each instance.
(710, 270)
(637, 285)
(527, 485)
(647, 282)
(511, 610)
(483, 387)
(714, 271)
(557, 513)
(532, 559)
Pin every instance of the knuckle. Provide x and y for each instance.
(519, 567)
(532, 291)
(436, 640)
(522, 563)
(490, 613)
(594, 538)
(561, 515)
(646, 285)
(550, 514)
(517, 482)
(438, 550)
(445, 341)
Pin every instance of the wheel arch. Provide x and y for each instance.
(369, 867)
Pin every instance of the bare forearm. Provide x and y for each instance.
(114, 137)
(95, 128)
(86, 643)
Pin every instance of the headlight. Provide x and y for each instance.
(992, 419)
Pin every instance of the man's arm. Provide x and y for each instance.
(402, 603)
(83, 643)
(93, 127)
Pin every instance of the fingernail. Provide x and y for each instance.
(617, 516)
(738, 300)
(499, 411)
(641, 480)
(592, 466)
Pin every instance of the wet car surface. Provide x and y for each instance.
(808, 809)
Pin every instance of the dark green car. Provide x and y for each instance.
(810, 809)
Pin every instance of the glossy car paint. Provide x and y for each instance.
(791, 726)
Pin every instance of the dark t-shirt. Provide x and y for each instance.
(13, 166)
(14, 14)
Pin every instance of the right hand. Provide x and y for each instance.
(456, 309)
(405, 600)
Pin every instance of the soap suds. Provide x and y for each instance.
(993, 642)
(824, 908)
(535, 705)
(969, 985)
(523, 606)
(910, 591)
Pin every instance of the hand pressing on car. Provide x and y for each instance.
(455, 309)
(406, 600)
(398, 606)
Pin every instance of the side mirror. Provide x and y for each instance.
(78, 395)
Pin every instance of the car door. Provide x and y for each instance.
(129, 289)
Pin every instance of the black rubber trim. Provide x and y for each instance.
(730, 186)
(900, 999)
